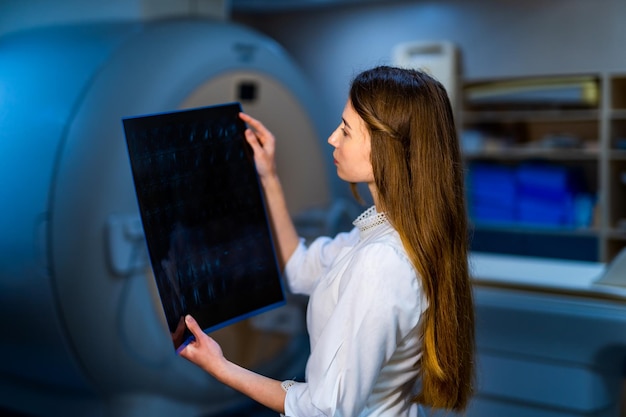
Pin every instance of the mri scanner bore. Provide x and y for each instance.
(82, 326)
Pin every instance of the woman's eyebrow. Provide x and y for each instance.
(345, 123)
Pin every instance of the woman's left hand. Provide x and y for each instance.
(204, 351)
(207, 354)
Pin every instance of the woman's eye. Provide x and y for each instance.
(343, 131)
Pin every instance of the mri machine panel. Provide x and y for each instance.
(38, 97)
(74, 274)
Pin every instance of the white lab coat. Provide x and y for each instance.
(363, 316)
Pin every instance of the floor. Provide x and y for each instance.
(247, 411)
(254, 411)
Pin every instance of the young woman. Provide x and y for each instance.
(390, 315)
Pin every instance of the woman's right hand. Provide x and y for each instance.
(263, 143)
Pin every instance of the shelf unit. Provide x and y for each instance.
(614, 165)
(587, 135)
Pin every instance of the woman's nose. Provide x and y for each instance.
(332, 139)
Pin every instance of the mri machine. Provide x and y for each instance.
(82, 330)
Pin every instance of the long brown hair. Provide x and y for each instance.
(419, 175)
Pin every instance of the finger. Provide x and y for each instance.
(253, 140)
(251, 132)
(247, 118)
(258, 127)
(193, 326)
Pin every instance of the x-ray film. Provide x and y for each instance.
(204, 217)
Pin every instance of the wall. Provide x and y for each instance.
(16, 15)
(496, 37)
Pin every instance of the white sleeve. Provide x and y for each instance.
(306, 265)
(380, 303)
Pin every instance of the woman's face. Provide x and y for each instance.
(352, 144)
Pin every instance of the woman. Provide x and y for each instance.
(390, 315)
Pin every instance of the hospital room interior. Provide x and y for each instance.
(538, 90)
